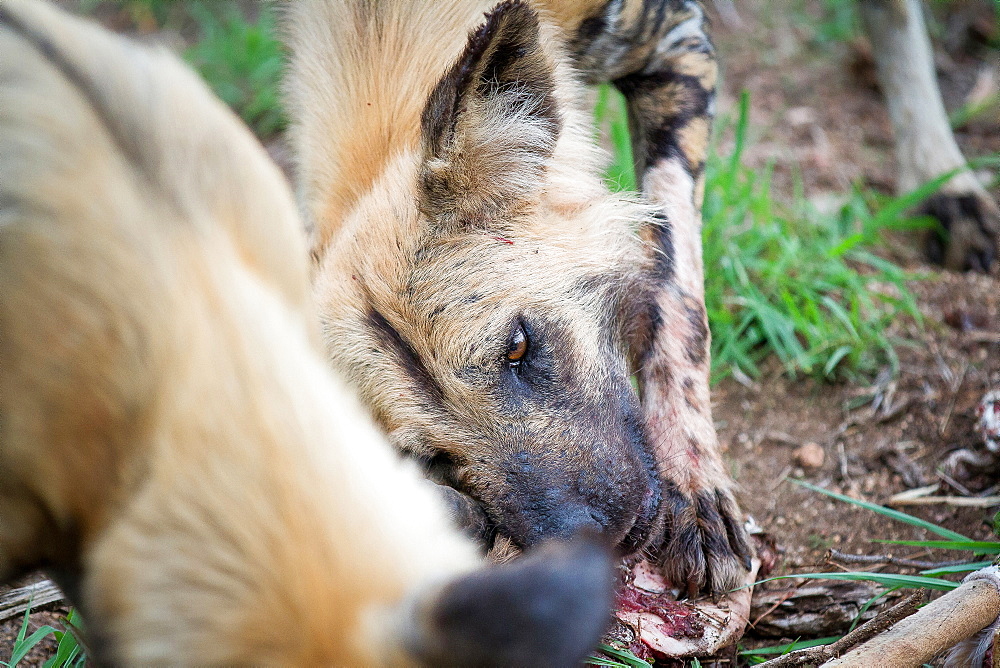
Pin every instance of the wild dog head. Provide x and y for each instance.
(481, 291)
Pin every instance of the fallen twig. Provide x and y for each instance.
(939, 625)
(844, 474)
(865, 632)
(983, 337)
(780, 479)
(782, 438)
(14, 602)
(916, 493)
(956, 386)
(811, 609)
(899, 461)
(889, 559)
(963, 501)
(954, 483)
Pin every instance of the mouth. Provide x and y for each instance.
(650, 518)
(646, 523)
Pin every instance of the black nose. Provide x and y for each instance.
(564, 521)
(542, 505)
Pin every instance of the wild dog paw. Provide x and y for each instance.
(969, 238)
(705, 547)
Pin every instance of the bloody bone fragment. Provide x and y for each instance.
(659, 625)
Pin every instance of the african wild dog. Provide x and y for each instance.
(486, 293)
(925, 144)
(173, 448)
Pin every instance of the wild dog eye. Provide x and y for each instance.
(517, 347)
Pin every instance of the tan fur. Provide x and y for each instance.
(447, 212)
(365, 103)
(378, 229)
(170, 442)
(358, 110)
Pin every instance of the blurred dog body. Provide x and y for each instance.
(172, 447)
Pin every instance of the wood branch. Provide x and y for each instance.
(815, 656)
(13, 603)
(941, 624)
(983, 337)
(810, 610)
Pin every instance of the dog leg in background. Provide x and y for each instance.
(659, 56)
(925, 145)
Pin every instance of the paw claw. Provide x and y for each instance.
(706, 547)
(969, 238)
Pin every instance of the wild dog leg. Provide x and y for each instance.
(658, 55)
(925, 145)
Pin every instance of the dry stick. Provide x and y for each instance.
(963, 501)
(954, 483)
(937, 626)
(983, 337)
(943, 428)
(889, 559)
(871, 628)
(14, 602)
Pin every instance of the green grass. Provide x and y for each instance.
(69, 650)
(784, 278)
(925, 579)
(242, 61)
(232, 45)
(609, 114)
(615, 657)
(839, 22)
(760, 655)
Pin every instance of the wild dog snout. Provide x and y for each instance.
(548, 499)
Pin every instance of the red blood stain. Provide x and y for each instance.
(678, 620)
(504, 240)
(694, 455)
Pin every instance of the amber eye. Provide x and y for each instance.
(518, 346)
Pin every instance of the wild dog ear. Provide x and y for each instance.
(546, 609)
(491, 121)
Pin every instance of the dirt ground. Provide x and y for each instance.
(816, 113)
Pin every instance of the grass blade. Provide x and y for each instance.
(886, 579)
(985, 547)
(888, 512)
(790, 647)
(958, 568)
(25, 645)
(624, 657)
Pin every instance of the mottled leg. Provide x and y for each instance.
(658, 55)
(925, 145)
